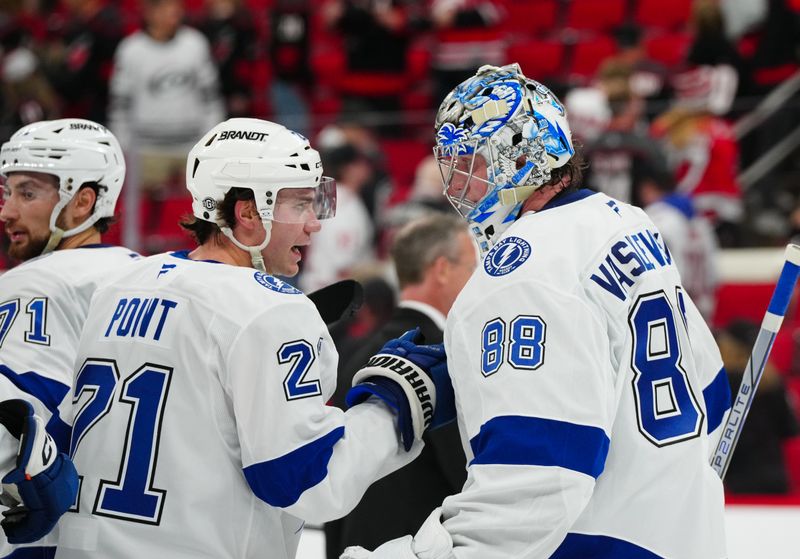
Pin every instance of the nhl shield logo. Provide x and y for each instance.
(274, 284)
(506, 256)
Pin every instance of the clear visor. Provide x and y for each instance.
(464, 176)
(299, 205)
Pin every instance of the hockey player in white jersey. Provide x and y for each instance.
(200, 425)
(690, 237)
(62, 180)
(587, 385)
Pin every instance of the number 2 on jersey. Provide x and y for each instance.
(299, 354)
(667, 409)
(132, 495)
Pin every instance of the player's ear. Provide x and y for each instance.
(81, 205)
(246, 214)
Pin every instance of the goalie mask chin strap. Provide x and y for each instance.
(511, 196)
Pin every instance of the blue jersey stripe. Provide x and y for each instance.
(281, 481)
(581, 546)
(717, 396)
(61, 432)
(48, 391)
(535, 441)
(32, 553)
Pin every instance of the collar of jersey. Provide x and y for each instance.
(568, 199)
(184, 255)
(97, 245)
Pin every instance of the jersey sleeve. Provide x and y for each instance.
(535, 400)
(41, 326)
(312, 460)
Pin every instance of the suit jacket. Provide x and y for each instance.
(398, 504)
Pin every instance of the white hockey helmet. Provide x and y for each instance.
(76, 151)
(498, 136)
(261, 156)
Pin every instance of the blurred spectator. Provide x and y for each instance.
(758, 464)
(289, 48)
(378, 187)
(427, 197)
(433, 257)
(742, 16)
(27, 95)
(689, 237)
(703, 150)
(588, 111)
(468, 35)
(78, 58)
(772, 50)
(428, 189)
(164, 85)
(345, 241)
(230, 31)
(776, 55)
(164, 95)
(649, 80)
(712, 48)
(374, 32)
(609, 119)
(376, 40)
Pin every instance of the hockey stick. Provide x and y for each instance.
(729, 435)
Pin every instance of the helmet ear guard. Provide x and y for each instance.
(519, 129)
(76, 152)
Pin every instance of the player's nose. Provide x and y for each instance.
(8, 210)
(313, 225)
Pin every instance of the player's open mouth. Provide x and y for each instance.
(296, 251)
(15, 236)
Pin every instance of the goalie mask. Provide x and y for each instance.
(278, 165)
(76, 152)
(498, 135)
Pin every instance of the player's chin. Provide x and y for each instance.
(291, 267)
(25, 249)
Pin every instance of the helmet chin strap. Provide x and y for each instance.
(256, 258)
(57, 234)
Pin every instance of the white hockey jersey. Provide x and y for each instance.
(164, 92)
(588, 388)
(200, 425)
(43, 305)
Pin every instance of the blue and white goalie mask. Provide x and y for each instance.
(498, 136)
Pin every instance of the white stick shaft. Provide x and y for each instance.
(773, 318)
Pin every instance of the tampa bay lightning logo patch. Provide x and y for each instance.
(506, 256)
(274, 284)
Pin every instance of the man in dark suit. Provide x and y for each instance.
(434, 257)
